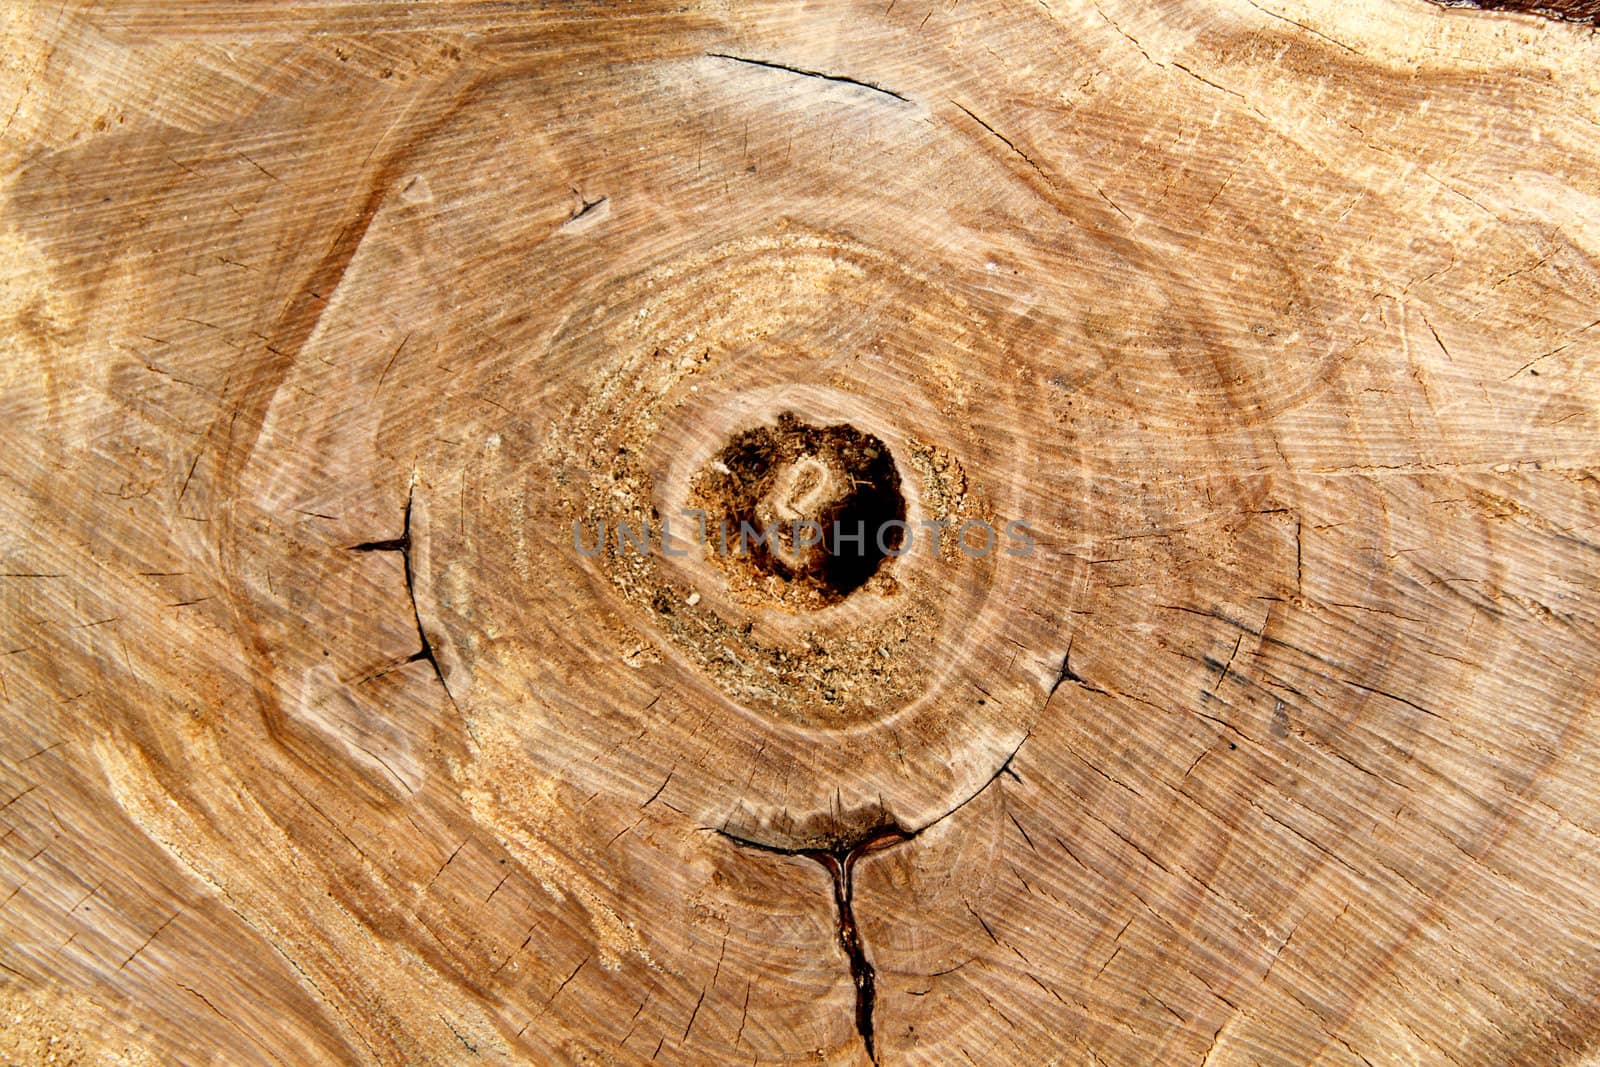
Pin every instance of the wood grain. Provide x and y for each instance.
(1569, 10)
(1274, 324)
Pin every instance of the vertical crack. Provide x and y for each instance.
(841, 865)
(839, 861)
(402, 545)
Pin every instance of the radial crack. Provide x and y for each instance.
(839, 861)
(1067, 674)
(1009, 143)
(840, 864)
(402, 545)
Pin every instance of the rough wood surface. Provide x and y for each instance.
(1275, 322)
(1569, 10)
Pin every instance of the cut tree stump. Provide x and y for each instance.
(1220, 379)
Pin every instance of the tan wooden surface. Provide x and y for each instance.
(322, 323)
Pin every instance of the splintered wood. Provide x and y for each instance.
(1053, 532)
